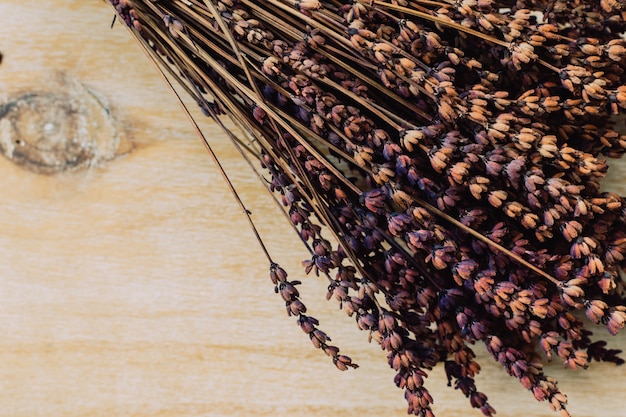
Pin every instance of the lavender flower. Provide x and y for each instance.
(452, 152)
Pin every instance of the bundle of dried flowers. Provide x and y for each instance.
(452, 150)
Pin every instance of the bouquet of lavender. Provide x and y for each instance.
(441, 159)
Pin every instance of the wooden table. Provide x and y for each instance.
(135, 287)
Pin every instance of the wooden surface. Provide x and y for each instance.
(135, 287)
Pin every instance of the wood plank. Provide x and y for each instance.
(135, 287)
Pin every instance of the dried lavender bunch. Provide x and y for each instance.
(452, 151)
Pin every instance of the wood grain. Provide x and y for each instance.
(135, 288)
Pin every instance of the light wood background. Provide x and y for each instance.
(135, 288)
